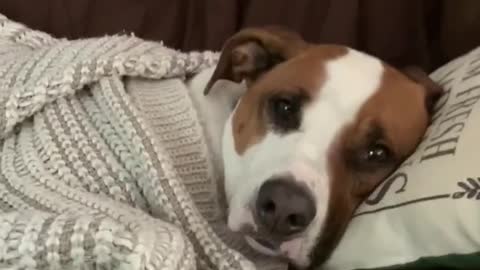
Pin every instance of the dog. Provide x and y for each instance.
(314, 129)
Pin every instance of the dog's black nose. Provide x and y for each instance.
(284, 207)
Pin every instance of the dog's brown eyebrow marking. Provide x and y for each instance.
(398, 94)
(303, 73)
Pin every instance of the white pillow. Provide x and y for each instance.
(427, 214)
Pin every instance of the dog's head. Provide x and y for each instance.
(318, 127)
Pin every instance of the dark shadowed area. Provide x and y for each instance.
(427, 33)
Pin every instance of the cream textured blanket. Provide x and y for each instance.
(103, 161)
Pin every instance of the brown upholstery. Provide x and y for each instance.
(402, 32)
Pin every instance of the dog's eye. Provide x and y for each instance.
(376, 153)
(285, 113)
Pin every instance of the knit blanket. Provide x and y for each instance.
(86, 181)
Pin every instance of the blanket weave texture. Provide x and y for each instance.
(98, 173)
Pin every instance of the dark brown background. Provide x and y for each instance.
(423, 32)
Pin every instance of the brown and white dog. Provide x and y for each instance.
(316, 130)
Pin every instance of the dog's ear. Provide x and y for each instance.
(252, 51)
(433, 91)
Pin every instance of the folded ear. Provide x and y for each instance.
(252, 51)
(433, 91)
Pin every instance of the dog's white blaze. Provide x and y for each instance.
(350, 80)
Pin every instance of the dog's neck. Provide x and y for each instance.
(214, 108)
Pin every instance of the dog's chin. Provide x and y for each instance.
(259, 242)
(268, 249)
(290, 251)
(263, 246)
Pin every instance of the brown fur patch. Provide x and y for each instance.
(304, 73)
(398, 108)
